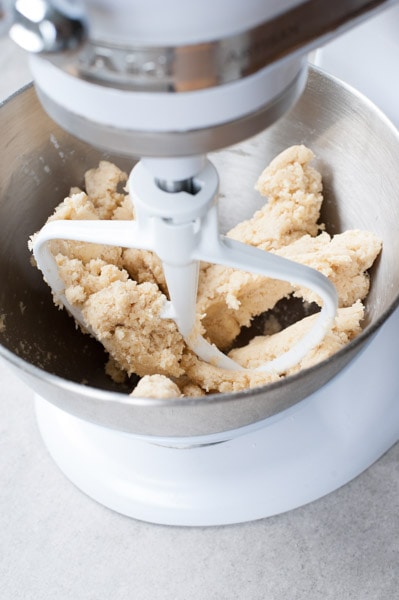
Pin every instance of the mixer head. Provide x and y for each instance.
(176, 79)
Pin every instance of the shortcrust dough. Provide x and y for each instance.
(121, 292)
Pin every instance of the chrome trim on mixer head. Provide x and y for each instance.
(39, 27)
(174, 143)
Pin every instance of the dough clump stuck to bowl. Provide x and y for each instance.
(121, 292)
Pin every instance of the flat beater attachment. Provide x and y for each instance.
(181, 226)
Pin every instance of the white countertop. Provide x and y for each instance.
(55, 543)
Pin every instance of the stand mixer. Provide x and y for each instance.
(121, 81)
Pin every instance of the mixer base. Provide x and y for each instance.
(310, 450)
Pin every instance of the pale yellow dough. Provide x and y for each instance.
(121, 292)
(156, 386)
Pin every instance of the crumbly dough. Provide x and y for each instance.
(156, 386)
(287, 225)
(230, 299)
(121, 292)
(293, 189)
(265, 348)
(346, 327)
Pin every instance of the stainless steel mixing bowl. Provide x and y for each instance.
(357, 151)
